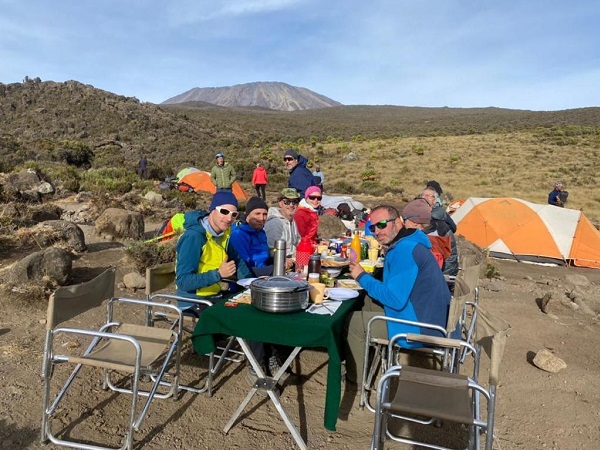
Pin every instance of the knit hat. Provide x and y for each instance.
(291, 152)
(219, 155)
(289, 193)
(223, 198)
(435, 185)
(418, 211)
(255, 203)
(312, 191)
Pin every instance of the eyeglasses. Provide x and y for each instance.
(288, 158)
(290, 202)
(315, 197)
(382, 224)
(226, 212)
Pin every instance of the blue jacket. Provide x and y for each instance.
(300, 177)
(413, 287)
(253, 248)
(189, 250)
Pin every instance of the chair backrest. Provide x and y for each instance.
(490, 333)
(159, 277)
(462, 292)
(470, 275)
(68, 302)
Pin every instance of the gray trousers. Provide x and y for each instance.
(355, 330)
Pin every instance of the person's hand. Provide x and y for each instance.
(227, 268)
(289, 263)
(355, 270)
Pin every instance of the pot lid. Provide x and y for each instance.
(278, 284)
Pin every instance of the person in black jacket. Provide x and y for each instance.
(300, 177)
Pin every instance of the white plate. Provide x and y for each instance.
(245, 282)
(342, 293)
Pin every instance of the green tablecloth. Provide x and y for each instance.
(299, 329)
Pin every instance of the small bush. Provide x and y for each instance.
(110, 180)
(145, 255)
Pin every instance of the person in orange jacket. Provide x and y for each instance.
(260, 180)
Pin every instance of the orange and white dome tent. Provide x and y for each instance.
(525, 231)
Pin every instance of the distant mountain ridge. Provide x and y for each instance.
(272, 95)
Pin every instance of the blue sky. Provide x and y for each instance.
(535, 54)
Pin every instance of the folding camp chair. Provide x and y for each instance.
(442, 395)
(162, 276)
(116, 347)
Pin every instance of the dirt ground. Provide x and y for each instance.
(535, 409)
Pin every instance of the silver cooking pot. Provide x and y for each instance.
(279, 294)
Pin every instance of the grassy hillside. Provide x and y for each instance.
(394, 150)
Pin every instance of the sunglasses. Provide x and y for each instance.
(291, 202)
(226, 212)
(288, 158)
(315, 197)
(382, 224)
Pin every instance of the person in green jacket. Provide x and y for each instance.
(222, 174)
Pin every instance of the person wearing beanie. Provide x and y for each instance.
(307, 215)
(250, 242)
(222, 174)
(413, 287)
(300, 177)
(432, 195)
(204, 256)
(260, 180)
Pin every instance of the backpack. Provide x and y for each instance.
(344, 211)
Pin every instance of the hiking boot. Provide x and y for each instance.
(274, 365)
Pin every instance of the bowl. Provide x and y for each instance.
(334, 272)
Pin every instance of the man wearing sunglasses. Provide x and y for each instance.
(300, 177)
(413, 287)
(281, 225)
(204, 256)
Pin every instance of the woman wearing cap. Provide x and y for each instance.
(307, 216)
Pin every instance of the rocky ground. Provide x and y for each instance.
(536, 409)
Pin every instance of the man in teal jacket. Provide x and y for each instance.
(413, 286)
(204, 256)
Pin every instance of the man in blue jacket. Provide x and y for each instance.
(249, 238)
(413, 286)
(204, 256)
(300, 177)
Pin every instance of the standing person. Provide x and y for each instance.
(249, 238)
(222, 174)
(439, 226)
(204, 256)
(307, 215)
(300, 177)
(281, 225)
(260, 180)
(413, 287)
(143, 168)
(556, 197)
(321, 177)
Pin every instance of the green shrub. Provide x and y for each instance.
(111, 180)
(149, 254)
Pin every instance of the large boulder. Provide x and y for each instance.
(28, 185)
(59, 233)
(120, 223)
(52, 264)
(331, 226)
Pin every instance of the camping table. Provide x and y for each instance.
(299, 329)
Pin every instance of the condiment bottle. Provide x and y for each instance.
(355, 245)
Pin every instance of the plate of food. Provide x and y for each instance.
(245, 282)
(348, 284)
(341, 293)
(334, 261)
(243, 297)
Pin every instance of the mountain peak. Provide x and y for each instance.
(271, 94)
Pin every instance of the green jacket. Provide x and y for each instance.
(223, 176)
